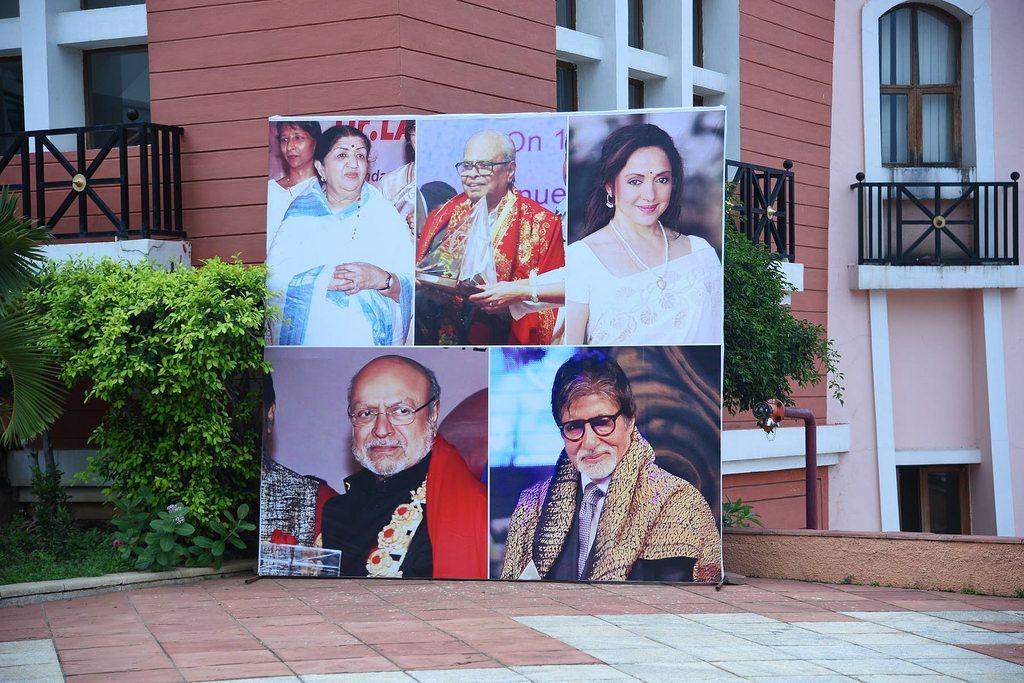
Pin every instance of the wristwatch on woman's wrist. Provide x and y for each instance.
(388, 283)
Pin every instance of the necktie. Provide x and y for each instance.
(591, 494)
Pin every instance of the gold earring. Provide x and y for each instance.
(610, 202)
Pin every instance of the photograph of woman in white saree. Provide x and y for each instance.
(644, 264)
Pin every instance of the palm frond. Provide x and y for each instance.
(36, 392)
(21, 251)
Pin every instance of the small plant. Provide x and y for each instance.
(1018, 592)
(875, 584)
(151, 535)
(52, 519)
(737, 514)
(968, 590)
(847, 580)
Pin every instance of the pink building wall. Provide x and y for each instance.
(936, 337)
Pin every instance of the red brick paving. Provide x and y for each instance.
(225, 629)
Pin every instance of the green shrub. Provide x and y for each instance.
(767, 350)
(52, 519)
(737, 514)
(176, 356)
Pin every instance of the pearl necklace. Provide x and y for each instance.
(636, 257)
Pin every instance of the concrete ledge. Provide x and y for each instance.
(936, 277)
(986, 564)
(62, 589)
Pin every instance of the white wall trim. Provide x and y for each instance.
(577, 47)
(956, 456)
(998, 417)
(885, 429)
(751, 450)
(98, 28)
(167, 253)
(936, 277)
(708, 82)
(647, 65)
(976, 35)
(10, 37)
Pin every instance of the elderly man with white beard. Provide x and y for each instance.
(608, 513)
(415, 509)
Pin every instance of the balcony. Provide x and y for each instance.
(98, 182)
(766, 211)
(938, 224)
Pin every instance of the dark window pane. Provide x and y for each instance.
(636, 94)
(12, 99)
(944, 502)
(894, 129)
(698, 32)
(937, 129)
(565, 86)
(698, 100)
(10, 9)
(909, 484)
(894, 47)
(117, 83)
(100, 4)
(565, 13)
(636, 23)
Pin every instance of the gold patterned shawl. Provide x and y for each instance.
(648, 514)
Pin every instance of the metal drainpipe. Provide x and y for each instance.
(811, 455)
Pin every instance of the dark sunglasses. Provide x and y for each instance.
(603, 425)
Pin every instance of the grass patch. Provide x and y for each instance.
(82, 552)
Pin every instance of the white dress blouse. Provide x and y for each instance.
(632, 309)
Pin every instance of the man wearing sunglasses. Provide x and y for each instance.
(609, 513)
(527, 241)
(415, 509)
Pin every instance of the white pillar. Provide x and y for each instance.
(53, 75)
(603, 84)
(885, 430)
(673, 39)
(998, 418)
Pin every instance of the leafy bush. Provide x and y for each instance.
(176, 356)
(24, 555)
(51, 517)
(154, 536)
(766, 348)
(737, 514)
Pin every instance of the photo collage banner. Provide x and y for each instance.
(496, 347)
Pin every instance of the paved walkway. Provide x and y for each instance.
(321, 630)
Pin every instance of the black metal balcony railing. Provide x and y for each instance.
(938, 224)
(146, 173)
(767, 204)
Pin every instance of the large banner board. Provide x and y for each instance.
(552, 285)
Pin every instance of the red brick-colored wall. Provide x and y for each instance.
(778, 496)
(785, 113)
(221, 67)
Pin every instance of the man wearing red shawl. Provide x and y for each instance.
(415, 510)
(527, 241)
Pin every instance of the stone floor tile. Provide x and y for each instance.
(939, 650)
(869, 667)
(748, 652)
(443, 661)
(153, 676)
(347, 665)
(642, 655)
(682, 671)
(844, 651)
(831, 627)
(999, 626)
(970, 667)
(980, 637)
(898, 678)
(530, 658)
(870, 639)
(25, 672)
(778, 667)
(498, 675)
(188, 660)
(976, 615)
(379, 677)
(19, 646)
(832, 678)
(572, 672)
(223, 672)
(730, 618)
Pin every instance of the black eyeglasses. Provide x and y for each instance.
(603, 425)
(401, 414)
(484, 168)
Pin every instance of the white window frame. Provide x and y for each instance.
(977, 138)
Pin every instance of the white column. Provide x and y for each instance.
(668, 31)
(603, 84)
(885, 431)
(998, 418)
(722, 54)
(53, 77)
